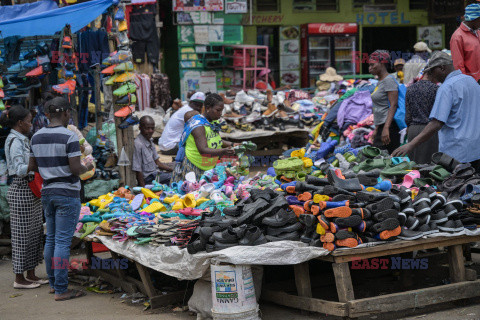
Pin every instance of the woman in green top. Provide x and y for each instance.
(203, 146)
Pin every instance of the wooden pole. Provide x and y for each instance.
(98, 102)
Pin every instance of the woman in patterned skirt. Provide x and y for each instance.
(25, 209)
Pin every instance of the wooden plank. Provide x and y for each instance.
(456, 263)
(138, 283)
(304, 303)
(414, 299)
(343, 281)
(302, 279)
(114, 280)
(470, 274)
(397, 247)
(146, 280)
(120, 273)
(5, 242)
(170, 298)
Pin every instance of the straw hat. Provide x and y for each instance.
(330, 75)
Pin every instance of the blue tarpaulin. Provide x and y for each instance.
(46, 23)
(27, 9)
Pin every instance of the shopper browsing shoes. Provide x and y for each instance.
(168, 142)
(56, 156)
(455, 114)
(146, 162)
(385, 101)
(201, 145)
(25, 208)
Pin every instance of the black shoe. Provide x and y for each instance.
(410, 234)
(250, 209)
(271, 231)
(301, 186)
(123, 100)
(402, 194)
(319, 182)
(439, 217)
(421, 208)
(366, 179)
(349, 222)
(230, 235)
(293, 236)
(343, 197)
(331, 191)
(207, 232)
(424, 219)
(215, 218)
(274, 206)
(253, 236)
(267, 194)
(352, 185)
(29, 84)
(408, 209)
(412, 223)
(439, 201)
(281, 218)
(451, 226)
(382, 205)
(427, 229)
(384, 215)
(196, 243)
(363, 213)
(402, 218)
(422, 196)
(389, 224)
(281, 125)
(432, 194)
(366, 196)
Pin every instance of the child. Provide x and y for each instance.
(146, 161)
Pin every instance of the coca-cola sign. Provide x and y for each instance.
(332, 28)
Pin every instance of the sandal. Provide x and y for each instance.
(72, 294)
(226, 129)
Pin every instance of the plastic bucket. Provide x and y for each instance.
(233, 292)
(248, 315)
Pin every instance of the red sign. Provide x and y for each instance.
(332, 28)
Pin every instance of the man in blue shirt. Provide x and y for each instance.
(455, 114)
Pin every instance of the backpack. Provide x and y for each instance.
(399, 116)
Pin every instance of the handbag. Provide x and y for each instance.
(34, 184)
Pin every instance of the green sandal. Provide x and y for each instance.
(439, 173)
(370, 152)
(249, 145)
(421, 182)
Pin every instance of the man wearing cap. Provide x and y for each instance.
(55, 154)
(455, 114)
(398, 66)
(168, 142)
(419, 60)
(465, 43)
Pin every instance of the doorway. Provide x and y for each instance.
(268, 36)
(392, 39)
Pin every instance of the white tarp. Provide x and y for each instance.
(180, 264)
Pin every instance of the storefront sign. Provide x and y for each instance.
(378, 18)
(263, 19)
(197, 5)
(332, 28)
(236, 6)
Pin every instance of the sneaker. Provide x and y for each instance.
(67, 43)
(129, 121)
(125, 111)
(125, 89)
(271, 110)
(118, 57)
(66, 88)
(109, 69)
(122, 26)
(243, 98)
(110, 81)
(256, 113)
(128, 99)
(439, 217)
(120, 15)
(124, 66)
(125, 77)
(29, 84)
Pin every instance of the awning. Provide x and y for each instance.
(48, 22)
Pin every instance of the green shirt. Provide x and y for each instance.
(204, 162)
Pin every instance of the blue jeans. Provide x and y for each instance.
(61, 215)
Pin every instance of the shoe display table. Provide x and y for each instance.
(349, 307)
(262, 138)
(119, 278)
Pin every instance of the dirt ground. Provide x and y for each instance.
(38, 304)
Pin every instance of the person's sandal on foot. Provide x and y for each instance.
(69, 294)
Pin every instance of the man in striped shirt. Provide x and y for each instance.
(55, 152)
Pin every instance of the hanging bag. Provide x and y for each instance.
(399, 116)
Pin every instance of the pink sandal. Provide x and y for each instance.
(410, 177)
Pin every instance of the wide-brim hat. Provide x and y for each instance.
(330, 75)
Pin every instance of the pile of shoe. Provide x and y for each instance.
(262, 110)
(119, 65)
(243, 223)
(293, 168)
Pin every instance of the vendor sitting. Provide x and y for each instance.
(146, 161)
(201, 145)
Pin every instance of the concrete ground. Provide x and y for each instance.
(38, 304)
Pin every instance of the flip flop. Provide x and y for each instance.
(410, 177)
(398, 160)
(72, 295)
(137, 201)
(440, 174)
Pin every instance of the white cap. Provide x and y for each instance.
(198, 97)
(421, 46)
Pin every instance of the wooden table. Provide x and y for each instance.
(349, 307)
(118, 278)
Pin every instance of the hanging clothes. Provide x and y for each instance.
(143, 91)
(92, 48)
(143, 32)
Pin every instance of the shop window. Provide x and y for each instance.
(327, 5)
(358, 4)
(268, 6)
(418, 4)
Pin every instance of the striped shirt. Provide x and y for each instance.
(52, 147)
